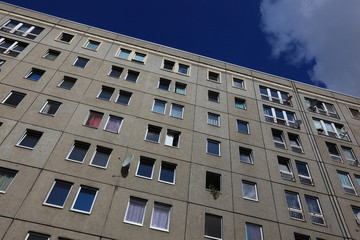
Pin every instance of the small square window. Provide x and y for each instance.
(6, 178)
(101, 157)
(164, 84)
(124, 97)
(132, 76)
(93, 119)
(213, 119)
(169, 65)
(172, 138)
(159, 106)
(58, 194)
(92, 45)
(135, 211)
(249, 190)
(213, 181)
(115, 71)
(50, 107)
(213, 226)
(349, 155)
(51, 54)
(213, 76)
(238, 83)
(65, 37)
(295, 143)
(81, 62)
(37, 236)
(35, 74)
(153, 133)
(184, 69)
(278, 138)
(294, 205)
(106, 93)
(242, 126)
(67, 82)
(176, 111)
(285, 169)
(14, 98)
(304, 173)
(253, 232)
(145, 167)
(347, 183)
(160, 218)
(29, 139)
(2, 62)
(334, 152)
(315, 211)
(84, 200)
(240, 103)
(78, 151)
(180, 88)
(167, 172)
(213, 96)
(139, 57)
(245, 155)
(213, 147)
(124, 53)
(113, 124)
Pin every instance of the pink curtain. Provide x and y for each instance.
(94, 119)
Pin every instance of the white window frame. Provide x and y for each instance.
(169, 138)
(211, 72)
(138, 54)
(67, 78)
(335, 157)
(37, 71)
(127, 93)
(181, 84)
(145, 159)
(77, 195)
(9, 170)
(213, 115)
(219, 147)
(37, 234)
(304, 179)
(51, 189)
(169, 217)
(351, 161)
(321, 107)
(242, 100)
(261, 232)
(102, 89)
(246, 150)
(298, 147)
(277, 99)
(313, 214)
(87, 62)
(116, 117)
(12, 47)
(236, 79)
(164, 80)
(127, 209)
(161, 167)
(243, 122)
(159, 101)
(72, 148)
(275, 119)
(18, 26)
(51, 52)
(116, 68)
(347, 188)
(132, 72)
(286, 175)
(293, 209)
(221, 227)
(25, 134)
(147, 130)
(244, 182)
(334, 133)
(279, 144)
(213, 93)
(47, 103)
(9, 95)
(86, 45)
(93, 156)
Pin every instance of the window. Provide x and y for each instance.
(6, 178)
(279, 116)
(94, 119)
(278, 138)
(213, 96)
(84, 200)
(302, 237)
(245, 155)
(11, 47)
(285, 169)
(160, 218)
(50, 107)
(35, 74)
(153, 133)
(331, 129)
(294, 206)
(115, 71)
(58, 194)
(355, 113)
(180, 88)
(357, 179)
(172, 138)
(81, 62)
(164, 84)
(238, 83)
(303, 172)
(315, 212)
(168, 65)
(124, 97)
(135, 211)
(139, 57)
(275, 96)
(249, 190)
(240, 103)
(37, 236)
(65, 37)
(214, 76)
(295, 143)
(334, 152)
(253, 232)
(29, 139)
(159, 106)
(92, 45)
(106, 93)
(145, 167)
(356, 211)
(213, 119)
(346, 183)
(350, 156)
(323, 108)
(21, 29)
(113, 124)
(167, 172)
(124, 53)
(176, 111)
(51, 55)
(67, 82)
(213, 147)
(14, 98)
(242, 126)
(184, 69)
(213, 181)
(213, 226)
(2, 62)
(78, 151)
(101, 157)
(132, 76)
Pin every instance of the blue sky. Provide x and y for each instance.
(311, 41)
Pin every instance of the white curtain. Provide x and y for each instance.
(160, 217)
(6, 177)
(136, 210)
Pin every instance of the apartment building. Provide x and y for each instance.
(104, 137)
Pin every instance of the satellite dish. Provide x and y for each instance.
(297, 123)
(127, 160)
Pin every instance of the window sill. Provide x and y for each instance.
(112, 131)
(213, 154)
(151, 141)
(212, 237)
(159, 229)
(213, 81)
(170, 183)
(250, 199)
(75, 161)
(79, 211)
(104, 168)
(176, 117)
(91, 49)
(54, 206)
(133, 223)
(143, 177)
(50, 115)
(5, 104)
(108, 100)
(90, 126)
(20, 146)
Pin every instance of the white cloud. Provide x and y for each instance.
(326, 31)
